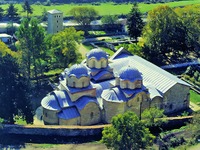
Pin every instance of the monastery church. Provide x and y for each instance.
(101, 87)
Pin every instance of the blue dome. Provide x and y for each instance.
(129, 73)
(77, 70)
(96, 53)
(50, 102)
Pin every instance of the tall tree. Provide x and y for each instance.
(127, 132)
(135, 22)
(27, 8)
(12, 14)
(31, 38)
(189, 15)
(1, 13)
(84, 15)
(64, 46)
(44, 15)
(13, 92)
(164, 36)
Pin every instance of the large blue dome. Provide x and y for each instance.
(77, 70)
(129, 73)
(96, 53)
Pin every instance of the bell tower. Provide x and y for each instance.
(55, 21)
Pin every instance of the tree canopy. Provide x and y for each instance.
(64, 46)
(14, 97)
(152, 116)
(109, 19)
(84, 15)
(31, 39)
(127, 132)
(164, 36)
(1, 13)
(135, 22)
(27, 8)
(189, 15)
(12, 12)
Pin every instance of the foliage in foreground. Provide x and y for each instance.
(14, 94)
(127, 132)
(152, 116)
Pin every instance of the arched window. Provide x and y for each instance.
(74, 84)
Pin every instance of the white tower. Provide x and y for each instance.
(55, 21)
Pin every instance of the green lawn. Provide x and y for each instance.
(194, 97)
(107, 50)
(103, 9)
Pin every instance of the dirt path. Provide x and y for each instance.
(82, 50)
(194, 107)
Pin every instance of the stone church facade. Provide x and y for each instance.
(101, 87)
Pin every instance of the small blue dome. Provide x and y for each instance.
(96, 53)
(129, 73)
(77, 70)
(50, 102)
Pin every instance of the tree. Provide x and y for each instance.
(14, 97)
(109, 19)
(31, 38)
(164, 36)
(84, 15)
(64, 46)
(44, 15)
(152, 116)
(12, 14)
(135, 22)
(127, 132)
(195, 125)
(189, 15)
(1, 13)
(27, 8)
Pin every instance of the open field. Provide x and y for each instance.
(194, 97)
(103, 9)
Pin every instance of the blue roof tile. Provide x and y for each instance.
(69, 113)
(83, 101)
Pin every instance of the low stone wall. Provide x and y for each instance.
(75, 131)
(52, 130)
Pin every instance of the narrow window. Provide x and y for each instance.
(91, 115)
(74, 84)
(82, 84)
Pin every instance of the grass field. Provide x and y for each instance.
(194, 97)
(103, 9)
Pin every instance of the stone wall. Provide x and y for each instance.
(112, 109)
(176, 98)
(55, 130)
(52, 130)
(50, 117)
(90, 114)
